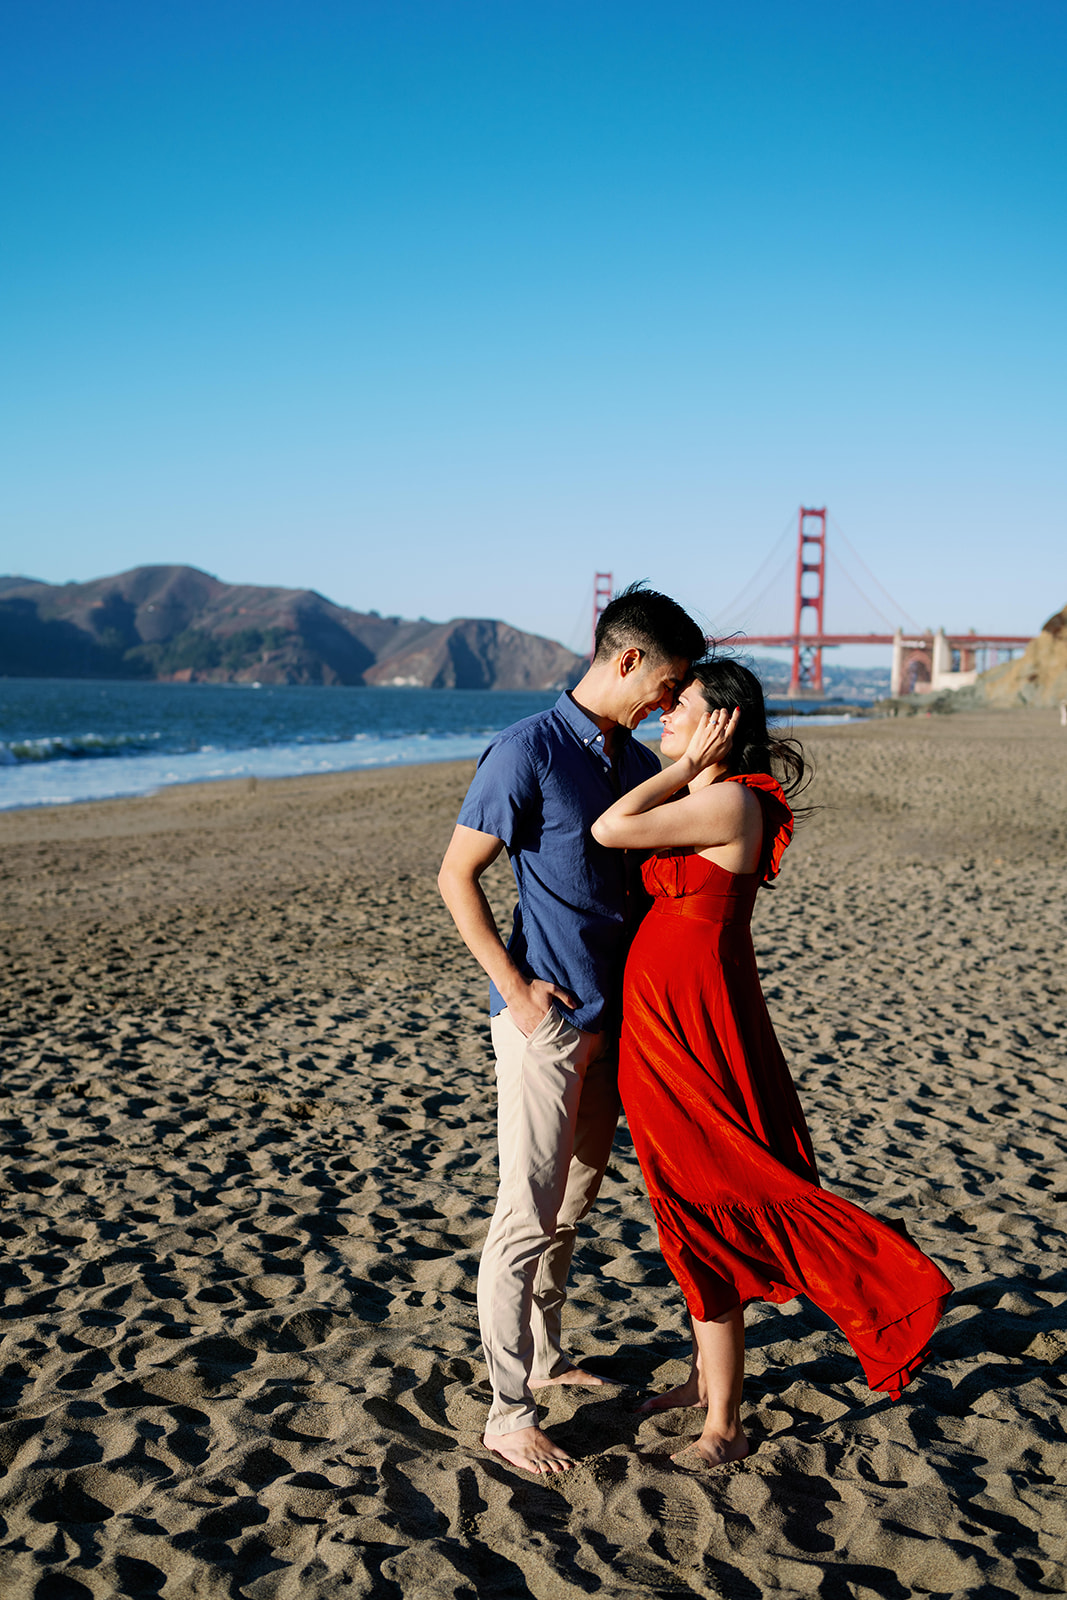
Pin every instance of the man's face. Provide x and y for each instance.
(647, 685)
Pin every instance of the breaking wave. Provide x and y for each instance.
(82, 747)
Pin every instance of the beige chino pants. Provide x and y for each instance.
(557, 1108)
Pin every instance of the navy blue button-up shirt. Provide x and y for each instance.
(539, 787)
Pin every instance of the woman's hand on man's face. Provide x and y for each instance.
(712, 737)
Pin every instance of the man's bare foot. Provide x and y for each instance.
(689, 1393)
(529, 1449)
(578, 1375)
(715, 1449)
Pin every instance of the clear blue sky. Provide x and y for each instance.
(440, 307)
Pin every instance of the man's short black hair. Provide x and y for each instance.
(650, 621)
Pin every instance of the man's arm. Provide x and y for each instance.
(468, 855)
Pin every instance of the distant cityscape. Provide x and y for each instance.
(864, 685)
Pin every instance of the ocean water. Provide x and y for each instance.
(63, 740)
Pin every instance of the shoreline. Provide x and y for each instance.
(847, 720)
(249, 781)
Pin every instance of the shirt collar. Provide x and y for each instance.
(586, 730)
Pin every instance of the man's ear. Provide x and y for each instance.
(630, 660)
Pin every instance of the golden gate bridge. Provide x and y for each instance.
(924, 660)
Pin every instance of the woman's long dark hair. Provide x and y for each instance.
(725, 683)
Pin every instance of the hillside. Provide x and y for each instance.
(181, 625)
(1036, 678)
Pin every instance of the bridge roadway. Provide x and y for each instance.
(957, 641)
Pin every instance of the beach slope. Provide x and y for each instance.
(248, 1162)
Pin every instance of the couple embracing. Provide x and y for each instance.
(593, 828)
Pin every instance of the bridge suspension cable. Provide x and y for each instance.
(743, 600)
(840, 570)
(895, 604)
(779, 561)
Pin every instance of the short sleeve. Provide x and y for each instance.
(504, 787)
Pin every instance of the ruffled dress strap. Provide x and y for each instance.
(778, 818)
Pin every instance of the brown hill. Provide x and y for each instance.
(476, 654)
(1036, 678)
(177, 623)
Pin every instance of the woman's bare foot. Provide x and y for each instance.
(715, 1448)
(529, 1449)
(720, 1345)
(576, 1375)
(689, 1393)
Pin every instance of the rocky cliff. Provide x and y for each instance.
(1036, 678)
(180, 624)
(476, 654)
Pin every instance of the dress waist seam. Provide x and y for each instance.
(735, 909)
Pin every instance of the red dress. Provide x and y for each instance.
(721, 1136)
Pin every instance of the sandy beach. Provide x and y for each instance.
(248, 1162)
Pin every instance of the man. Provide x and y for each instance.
(555, 988)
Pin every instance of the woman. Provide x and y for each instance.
(712, 1109)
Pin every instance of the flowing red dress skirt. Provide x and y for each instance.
(721, 1136)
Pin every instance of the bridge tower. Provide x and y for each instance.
(603, 589)
(806, 677)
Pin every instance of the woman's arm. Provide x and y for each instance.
(710, 816)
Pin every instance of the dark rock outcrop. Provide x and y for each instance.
(178, 623)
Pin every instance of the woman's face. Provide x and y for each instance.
(678, 723)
